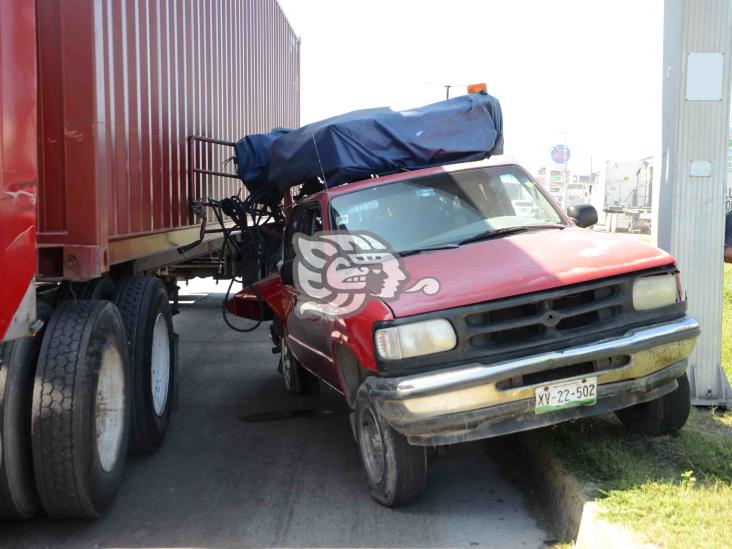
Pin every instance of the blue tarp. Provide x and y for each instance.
(252, 164)
(356, 145)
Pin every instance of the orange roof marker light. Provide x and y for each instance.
(477, 88)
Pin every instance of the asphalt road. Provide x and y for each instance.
(246, 464)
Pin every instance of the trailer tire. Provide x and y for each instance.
(97, 288)
(18, 496)
(395, 470)
(80, 410)
(143, 303)
(662, 416)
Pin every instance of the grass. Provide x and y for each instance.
(675, 491)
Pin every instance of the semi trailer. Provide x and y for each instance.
(623, 196)
(104, 106)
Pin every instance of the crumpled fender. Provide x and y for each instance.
(246, 302)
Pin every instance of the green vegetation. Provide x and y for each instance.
(674, 490)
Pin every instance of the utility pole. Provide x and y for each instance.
(447, 90)
(688, 202)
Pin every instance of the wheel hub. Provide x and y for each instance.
(372, 446)
(160, 365)
(109, 408)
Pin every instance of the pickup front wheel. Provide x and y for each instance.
(395, 470)
(661, 416)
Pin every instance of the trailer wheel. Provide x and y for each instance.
(661, 416)
(143, 302)
(80, 411)
(18, 497)
(298, 380)
(98, 288)
(395, 470)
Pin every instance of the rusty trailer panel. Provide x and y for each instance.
(122, 85)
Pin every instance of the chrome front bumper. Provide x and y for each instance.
(465, 403)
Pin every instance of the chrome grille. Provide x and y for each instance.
(522, 325)
(545, 316)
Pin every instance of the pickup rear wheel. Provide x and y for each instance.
(298, 380)
(661, 416)
(395, 470)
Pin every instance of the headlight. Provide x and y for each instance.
(652, 292)
(415, 339)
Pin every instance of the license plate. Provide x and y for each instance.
(568, 394)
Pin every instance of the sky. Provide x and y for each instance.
(591, 69)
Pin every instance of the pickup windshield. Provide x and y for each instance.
(447, 208)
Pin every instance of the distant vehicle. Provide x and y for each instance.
(577, 193)
(523, 208)
(623, 196)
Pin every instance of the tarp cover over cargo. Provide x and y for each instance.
(359, 144)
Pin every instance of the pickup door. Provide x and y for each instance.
(308, 338)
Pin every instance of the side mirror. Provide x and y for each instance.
(584, 215)
(286, 275)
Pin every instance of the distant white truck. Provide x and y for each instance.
(622, 196)
(577, 193)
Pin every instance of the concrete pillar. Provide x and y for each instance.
(689, 199)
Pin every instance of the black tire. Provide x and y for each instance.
(18, 497)
(98, 288)
(661, 416)
(298, 380)
(82, 375)
(396, 471)
(143, 303)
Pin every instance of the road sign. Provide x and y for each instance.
(560, 154)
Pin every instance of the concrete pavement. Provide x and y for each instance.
(246, 464)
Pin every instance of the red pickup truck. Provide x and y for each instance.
(443, 315)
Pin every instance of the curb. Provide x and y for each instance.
(567, 500)
(597, 533)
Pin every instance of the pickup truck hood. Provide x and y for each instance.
(520, 264)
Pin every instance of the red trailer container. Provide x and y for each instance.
(122, 86)
(98, 101)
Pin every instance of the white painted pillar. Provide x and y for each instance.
(689, 200)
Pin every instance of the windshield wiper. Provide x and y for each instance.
(428, 249)
(497, 233)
